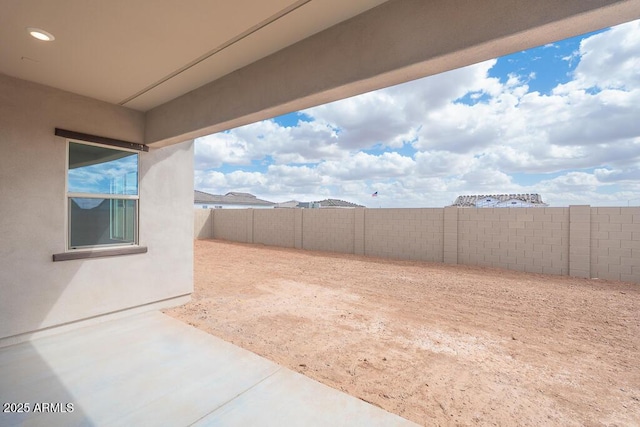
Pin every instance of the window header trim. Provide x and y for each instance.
(100, 140)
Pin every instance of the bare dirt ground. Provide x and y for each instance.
(436, 344)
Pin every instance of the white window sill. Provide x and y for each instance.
(99, 253)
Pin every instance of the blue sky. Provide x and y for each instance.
(118, 176)
(561, 120)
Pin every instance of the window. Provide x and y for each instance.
(102, 196)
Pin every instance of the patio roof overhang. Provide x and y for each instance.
(213, 66)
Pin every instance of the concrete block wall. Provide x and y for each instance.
(415, 234)
(450, 230)
(578, 241)
(203, 224)
(525, 239)
(297, 228)
(328, 230)
(274, 227)
(615, 243)
(231, 224)
(358, 231)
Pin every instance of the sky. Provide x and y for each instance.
(95, 170)
(561, 120)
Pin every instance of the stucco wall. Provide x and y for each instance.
(37, 293)
(579, 241)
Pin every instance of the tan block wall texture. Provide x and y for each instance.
(274, 227)
(615, 243)
(203, 224)
(525, 239)
(231, 224)
(578, 241)
(328, 230)
(415, 234)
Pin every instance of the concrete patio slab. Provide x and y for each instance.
(153, 370)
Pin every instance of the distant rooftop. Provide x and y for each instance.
(326, 203)
(288, 204)
(337, 203)
(231, 198)
(237, 198)
(499, 201)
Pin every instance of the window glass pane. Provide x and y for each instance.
(101, 170)
(96, 222)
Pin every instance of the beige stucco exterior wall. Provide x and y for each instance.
(37, 293)
(578, 241)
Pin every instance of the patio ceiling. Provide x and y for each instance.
(204, 66)
(143, 53)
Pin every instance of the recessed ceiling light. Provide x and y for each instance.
(40, 34)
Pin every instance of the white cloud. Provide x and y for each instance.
(442, 163)
(391, 117)
(362, 166)
(296, 176)
(215, 150)
(575, 182)
(626, 175)
(210, 181)
(457, 132)
(610, 59)
(307, 142)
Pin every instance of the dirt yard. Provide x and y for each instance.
(436, 344)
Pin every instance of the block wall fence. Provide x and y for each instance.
(579, 241)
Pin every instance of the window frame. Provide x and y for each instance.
(68, 196)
